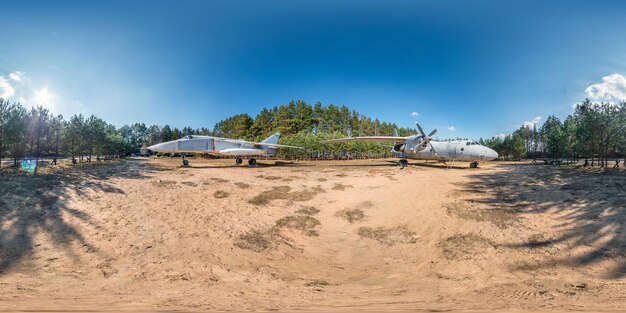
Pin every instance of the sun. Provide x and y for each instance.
(43, 96)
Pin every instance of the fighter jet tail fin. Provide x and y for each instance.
(273, 139)
(395, 134)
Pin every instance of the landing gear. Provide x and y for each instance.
(403, 163)
(474, 165)
(185, 162)
(252, 162)
(238, 161)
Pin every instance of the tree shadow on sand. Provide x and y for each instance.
(590, 207)
(34, 205)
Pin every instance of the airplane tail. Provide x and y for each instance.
(395, 148)
(272, 139)
(395, 134)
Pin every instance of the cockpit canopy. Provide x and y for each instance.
(472, 143)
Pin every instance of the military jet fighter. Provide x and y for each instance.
(221, 146)
(422, 147)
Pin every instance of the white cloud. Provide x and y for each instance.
(414, 114)
(16, 76)
(531, 124)
(451, 128)
(6, 89)
(612, 87)
(501, 136)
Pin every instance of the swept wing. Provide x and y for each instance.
(258, 144)
(368, 139)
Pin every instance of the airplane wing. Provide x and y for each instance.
(273, 145)
(258, 144)
(368, 139)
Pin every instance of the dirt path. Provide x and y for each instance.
(147, 234)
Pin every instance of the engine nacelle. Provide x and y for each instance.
(398, 147)
(242, 152)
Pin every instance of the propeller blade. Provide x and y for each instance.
(420, 128)
(432, 147)
(432, 132)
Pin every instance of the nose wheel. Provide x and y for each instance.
(403, 163)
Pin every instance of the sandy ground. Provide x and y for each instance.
(147, 234)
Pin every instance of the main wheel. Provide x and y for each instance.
(474, 165)
(403, 163)
(252, 162)
(238, 161)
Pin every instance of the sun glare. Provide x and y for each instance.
(43, 96)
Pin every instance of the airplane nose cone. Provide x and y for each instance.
(491, 154)
(155, 147)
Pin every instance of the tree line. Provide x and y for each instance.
(37, 133)
(595, 131)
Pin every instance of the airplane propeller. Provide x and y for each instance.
(426, 138)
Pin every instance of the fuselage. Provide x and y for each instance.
(212, 145)
(464, 150)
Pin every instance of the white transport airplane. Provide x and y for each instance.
(421, 147)
(222, 146)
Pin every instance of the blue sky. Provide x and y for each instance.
(482, 67)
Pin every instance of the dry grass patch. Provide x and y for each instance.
(220, 194)
(255, 240)
(352, 216)
(269, 177)
(242, 185)
(304, 223)
(340, 186)
(283, 192)
(502, 216)
(164, 183)
(189, 183)
(308, 210)
(218, 180)
(464, 247)
(389, 235)
(317, 283)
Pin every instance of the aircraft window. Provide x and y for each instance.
(189, 137)
(468, 143)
